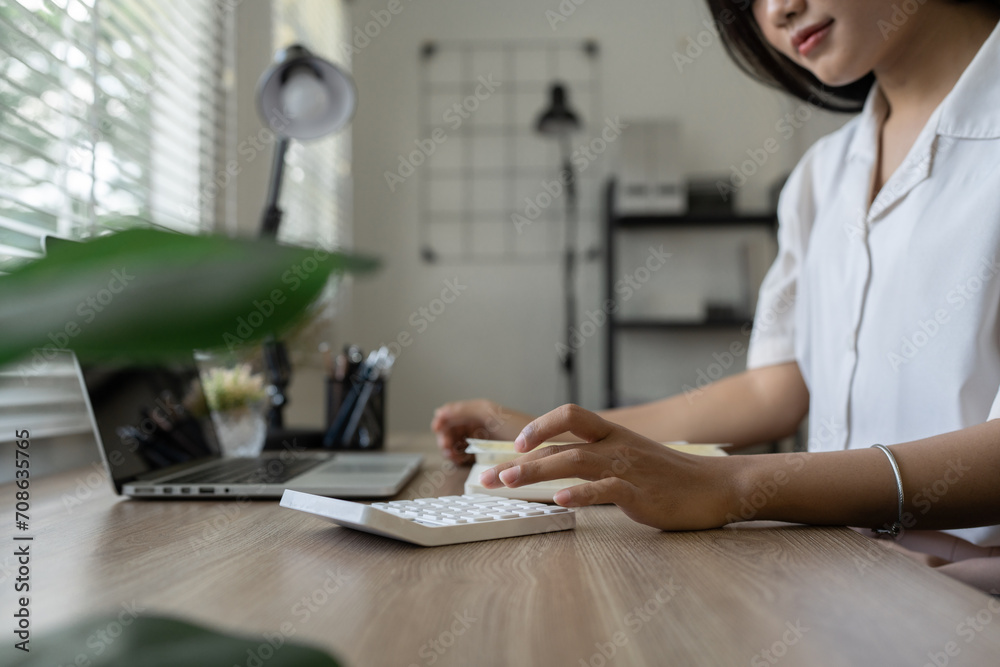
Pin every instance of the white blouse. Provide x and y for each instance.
(891, 310)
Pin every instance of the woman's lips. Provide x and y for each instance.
(807, 39)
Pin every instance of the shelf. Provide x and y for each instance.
(698, 222)
(692, 220)
(681, 325)
(695, 220)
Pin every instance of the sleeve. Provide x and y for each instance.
(772, 340)
(995, 409)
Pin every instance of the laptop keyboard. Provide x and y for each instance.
(246, 471)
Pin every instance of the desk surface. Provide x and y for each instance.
(611, 587)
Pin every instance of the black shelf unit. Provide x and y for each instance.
(675, 325)
(615, 224)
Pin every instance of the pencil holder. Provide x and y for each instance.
(355, 413)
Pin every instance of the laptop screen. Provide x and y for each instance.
(149, 418)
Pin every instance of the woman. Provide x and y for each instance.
(878, 317)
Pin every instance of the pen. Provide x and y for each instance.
(377, 370)
(334, 436)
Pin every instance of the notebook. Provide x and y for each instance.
(157, 440)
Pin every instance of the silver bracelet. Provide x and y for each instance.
(893, 530)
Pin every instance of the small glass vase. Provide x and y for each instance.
(242, 431)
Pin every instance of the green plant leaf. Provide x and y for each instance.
(146, 295)
(164, 642)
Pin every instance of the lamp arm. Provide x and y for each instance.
(272, 212)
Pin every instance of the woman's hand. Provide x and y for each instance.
(652, 484)
(486, 420)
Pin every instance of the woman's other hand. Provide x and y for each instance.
(454, 422)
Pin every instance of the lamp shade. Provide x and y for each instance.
(558, 119)
(302, 96)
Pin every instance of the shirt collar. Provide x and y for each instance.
(970, 111)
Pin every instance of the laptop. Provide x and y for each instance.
(157, 440)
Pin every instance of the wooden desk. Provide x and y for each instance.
(824, 596)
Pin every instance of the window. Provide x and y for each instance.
(111, 114)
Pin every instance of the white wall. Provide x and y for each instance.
(498, 338)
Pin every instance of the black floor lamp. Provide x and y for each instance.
(559, 122)
(301, 96)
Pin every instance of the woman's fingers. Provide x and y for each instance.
(555, 462)
(448, 415)
(607, 491)
(453, 423)
(490, 478)
(454, 450)
(584, 424)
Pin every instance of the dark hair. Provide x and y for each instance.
(755, 56)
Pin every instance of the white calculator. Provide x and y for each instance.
(432, 522)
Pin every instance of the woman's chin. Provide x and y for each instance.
(837, 77)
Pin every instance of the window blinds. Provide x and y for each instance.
(111, 113)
